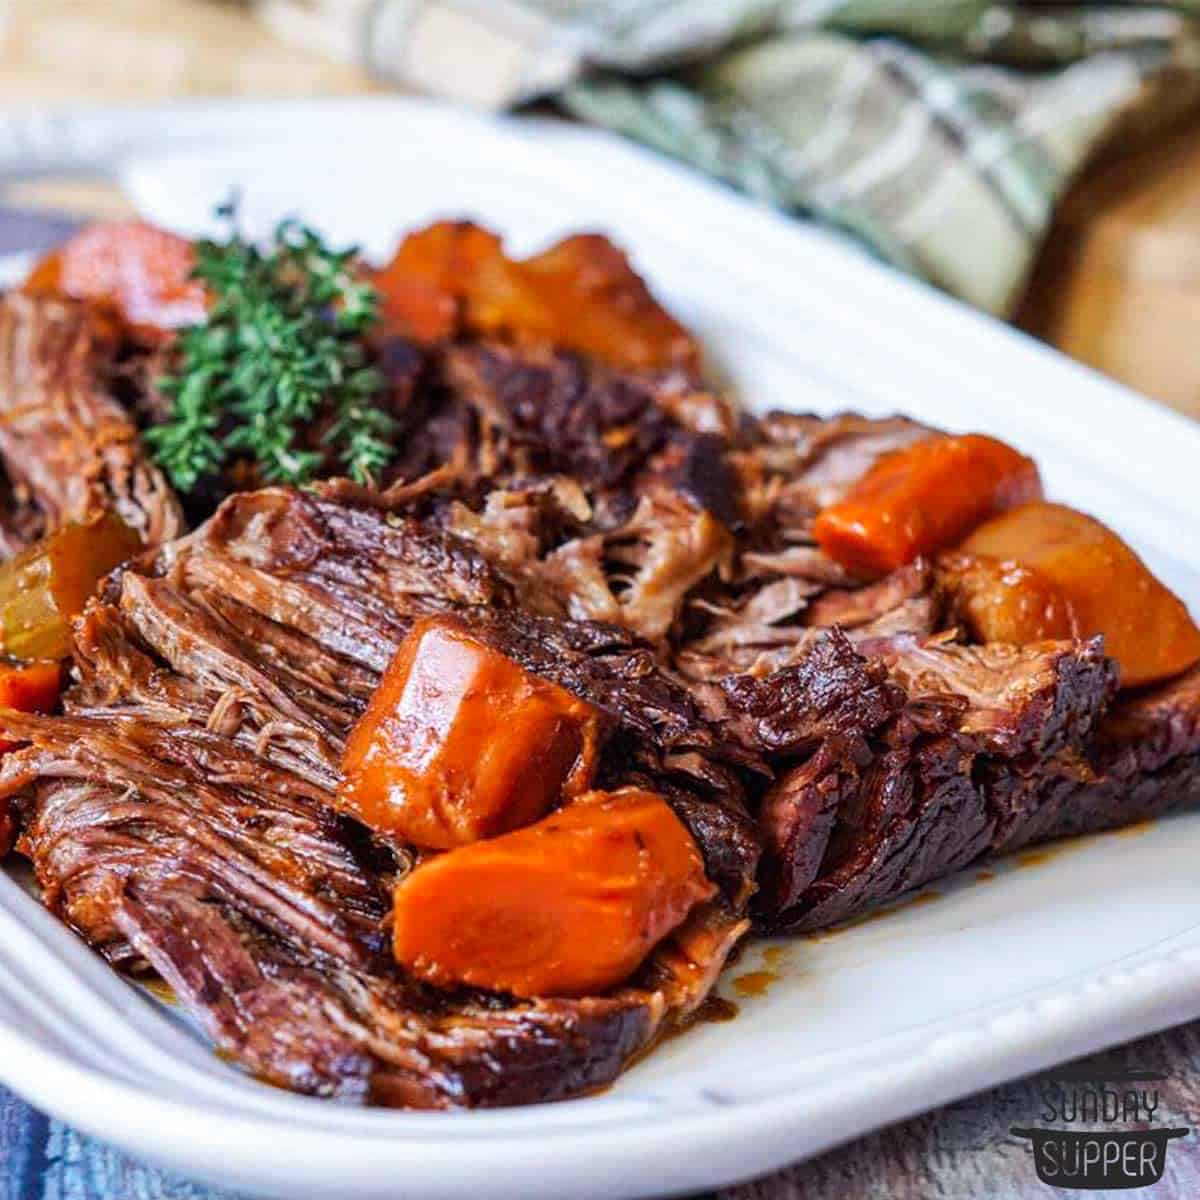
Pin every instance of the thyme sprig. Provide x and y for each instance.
(283, 343)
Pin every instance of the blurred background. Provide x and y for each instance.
(1040, 161)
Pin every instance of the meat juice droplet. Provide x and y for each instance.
(1034, 858)
(1135, 830)
(754, 983)
(713, 1010)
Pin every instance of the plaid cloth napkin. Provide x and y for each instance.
(939, 131)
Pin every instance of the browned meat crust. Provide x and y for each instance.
(811, 719)
(1142, 762)
(959, 770)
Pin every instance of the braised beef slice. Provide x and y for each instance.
(831, 692)
(958, 770)
(547, 411)
(915, 817)
(812, 721)
(1142, 762)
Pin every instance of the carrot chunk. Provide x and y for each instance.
(567, 907)
(28, 687)
(922, 499)
(142, 272)
(460, 743)
(421, 288)
(1104, 585)
(581, 294)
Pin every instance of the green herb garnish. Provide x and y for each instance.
(282, 344)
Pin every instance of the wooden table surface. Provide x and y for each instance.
(1118, 286)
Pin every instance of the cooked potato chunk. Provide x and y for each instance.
(1055, 568)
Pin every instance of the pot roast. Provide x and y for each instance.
(829, 741)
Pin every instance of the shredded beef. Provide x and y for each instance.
(188, 787)
(812, 719)
(70, 450)
(547, 411)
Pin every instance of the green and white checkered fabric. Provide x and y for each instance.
(942, 132)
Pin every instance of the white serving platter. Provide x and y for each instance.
(1000, 973)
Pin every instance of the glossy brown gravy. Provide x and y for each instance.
(754, 983)
(712, 1010)
(1034, 858)
(1136, 829)
(757, 983)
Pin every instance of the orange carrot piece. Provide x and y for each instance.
(27, 687)
(567, 907)
(460, 743)
(30, 687)
(923, 499)
(133, 267)
(581, 294)
(1103, 584)
(421, 288)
